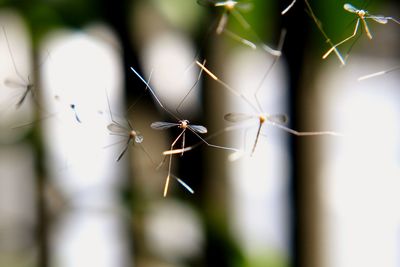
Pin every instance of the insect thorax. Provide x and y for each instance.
(183, 124)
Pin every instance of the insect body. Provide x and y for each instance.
(362, 15)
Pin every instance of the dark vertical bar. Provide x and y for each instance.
(294, 49)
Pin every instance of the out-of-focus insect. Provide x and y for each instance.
(20, 83)
(233, 8)
(127, 132)
(277, 120)
(363, 15)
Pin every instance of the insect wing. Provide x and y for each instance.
(279, 118)
(379, 19)
(350, 8)
(237, 117)
(162, 125)
(14, 84)
(245, 6)
(116, 128)
(198, 129)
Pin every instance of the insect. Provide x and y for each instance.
(317, 22)
(116, 128)
(363, 15)
(277, 120)
(232, 7)
(22, 83)
(182, 124)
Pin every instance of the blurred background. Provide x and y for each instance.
(65, 199)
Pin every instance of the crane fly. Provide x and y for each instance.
(362, 15)
(21, 83)
(129, 133)
(230, 7)
(182, 124)
(233, 8)
(277, 120)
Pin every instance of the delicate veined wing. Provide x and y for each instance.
(350, 8)
(379, 19)
(278, 118)
(116, 128)
(245, 6)
(198, 129)
(14, 84)
(162, 125)
(222, 22)
(236, 117)
(184, 184)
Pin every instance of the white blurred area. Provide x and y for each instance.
(80, 71)
(360, 173)
(168, 54)
(259, 198)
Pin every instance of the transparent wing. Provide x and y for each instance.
(161, 125)
(237, 117)
(116, 128)
(198, 129)
(278, 118)
(245, 6)
(350, 8)
(14, 84)
(379, 19)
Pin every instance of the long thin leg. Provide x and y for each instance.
(241, 40)
(248, 28)
(170, 163)
(288, 7)
(343, 41)
(256, 141)
(177, 151)
(287, 129)
(222, 22)
(230, 89)
(190, 90)
(124, 150)
(367, 29)
(12, 58)
(275, 60)
(378, 73)
(319, 26)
